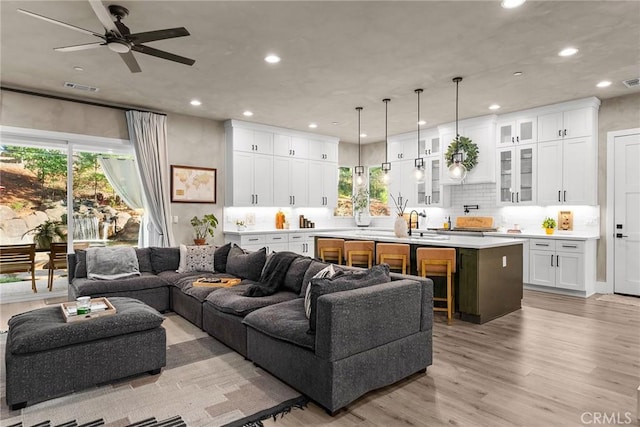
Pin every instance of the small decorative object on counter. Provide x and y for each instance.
(360, 202)
(280, 220)
(449, 223)
(305, 222)
(400, 225)
(549, 224)
(241, 225)
(287, 225)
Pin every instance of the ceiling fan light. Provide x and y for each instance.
(119, 46)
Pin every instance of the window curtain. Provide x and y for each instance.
(124, 177)
(148, 134)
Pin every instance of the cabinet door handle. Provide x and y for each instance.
(557, 260)
(517, 139)
(256, 199)
(513, 140)
(559, 196)
(511, 197)
(517, 197)
(570, 246)
(294, 199)
(542, 244)
(565, 195)
(559, 132)
(277, 238)
(254, 240)
(551, 260)
(429, 199)
(565, 133)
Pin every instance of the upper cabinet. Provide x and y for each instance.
(522, 130)
(575, 123)
(269, 166)
(404, 148)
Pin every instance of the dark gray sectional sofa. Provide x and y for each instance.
(366, 335)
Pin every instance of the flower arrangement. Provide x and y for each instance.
(240, 223)
(400, 208)
(360, 199)
(549, 223)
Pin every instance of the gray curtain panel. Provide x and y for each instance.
(148, 133)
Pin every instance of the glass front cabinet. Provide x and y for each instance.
(431, 192)
(517, 175)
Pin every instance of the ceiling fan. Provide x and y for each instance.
(118, 38)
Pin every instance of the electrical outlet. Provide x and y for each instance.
(175, 219)
(504, 261)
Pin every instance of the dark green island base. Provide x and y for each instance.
(488, 281)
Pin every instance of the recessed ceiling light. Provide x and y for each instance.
(334, 123)
(494, 107)
(604, 83)
(422, 122)
(568, 51)
(510, 4)
(313, 125)
(247, 113)
(363, 135)
(78, 68)
(518, 73)
(272, 59)
(195, 102)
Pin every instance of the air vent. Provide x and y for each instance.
(631, 83)
(81, 87)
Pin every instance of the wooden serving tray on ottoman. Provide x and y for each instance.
(99, 307)
(221, 282)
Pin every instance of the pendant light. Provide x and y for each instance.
(457, 170)
(419, 161)
(386, 166)
(359, 170)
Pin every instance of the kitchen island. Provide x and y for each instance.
(488, 282)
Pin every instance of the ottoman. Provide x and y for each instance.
(47, 357)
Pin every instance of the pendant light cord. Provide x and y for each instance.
(418, 91)
(359, 111)
(386, 129)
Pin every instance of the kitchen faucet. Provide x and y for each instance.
(417, 219)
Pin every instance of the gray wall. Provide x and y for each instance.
(622, 112)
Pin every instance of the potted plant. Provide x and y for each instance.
(48, 232)
(202, 227)
(360, 202)
(549, 224)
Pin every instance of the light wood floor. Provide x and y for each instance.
(560, 361)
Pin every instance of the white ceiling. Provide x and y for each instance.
(336, 55)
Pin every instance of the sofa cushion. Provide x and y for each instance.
(285, 321)
(327, 272)
(220, 258)
(196, 258)
(99, 287)
(45, 328)
(295, 274)
(144, 260)
(163, 259)
(312, 270)
(81, 264)
(231, 300)
(246, 265)
(184, 281)
(348, 280)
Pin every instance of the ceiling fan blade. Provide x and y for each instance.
(151, 36)
(104, 16)
(162, 54)
(64, 24)
(131, 62)
(79, 47)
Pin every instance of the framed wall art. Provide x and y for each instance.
(190, 184)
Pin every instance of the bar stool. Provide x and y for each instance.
(330, 250)
(359, 252)
(397, 253)
(440, 262)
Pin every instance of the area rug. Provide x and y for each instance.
(620, 299)
(205, 383)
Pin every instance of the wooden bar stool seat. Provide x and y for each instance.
(359, 252)
(439, 262)
(330, 250)
(394, 254)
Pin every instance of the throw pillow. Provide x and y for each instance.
(246, 265)
(220, 258)
(196, 258)
(326, 272)
(349, 280)
(313, 269)
(81, 264)
(165, 259)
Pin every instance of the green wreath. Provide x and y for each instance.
(470, 149)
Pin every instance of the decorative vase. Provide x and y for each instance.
(400, 227)
(200, 242)
(549, 230)
(362, 217)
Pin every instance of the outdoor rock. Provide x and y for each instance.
(130, 230)
(14, 229)
(35, 219)
(7, 213)
(121, 220)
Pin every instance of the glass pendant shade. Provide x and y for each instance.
(457, 170)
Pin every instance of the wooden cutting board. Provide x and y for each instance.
(474, 222)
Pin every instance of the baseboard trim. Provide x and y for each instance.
(604, 288)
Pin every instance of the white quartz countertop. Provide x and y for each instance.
(250, 232)
(558, 235)
(428, 239)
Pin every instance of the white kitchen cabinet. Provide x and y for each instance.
(574, 123)
(403, 185)
(322, 184)
(481, 131)
(276, 242)
(323, 150)
(567, 172)
(301, 243)
(253, 141)
(290, 146)
(429, 144)
(252, 177)
(557, 263)
(290, 177)
(517, 169)
(404, 148)
(522, 130)
(431, 192)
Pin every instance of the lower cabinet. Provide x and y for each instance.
(300, 243)
(557, 263)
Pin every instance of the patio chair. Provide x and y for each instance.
(19, 259)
